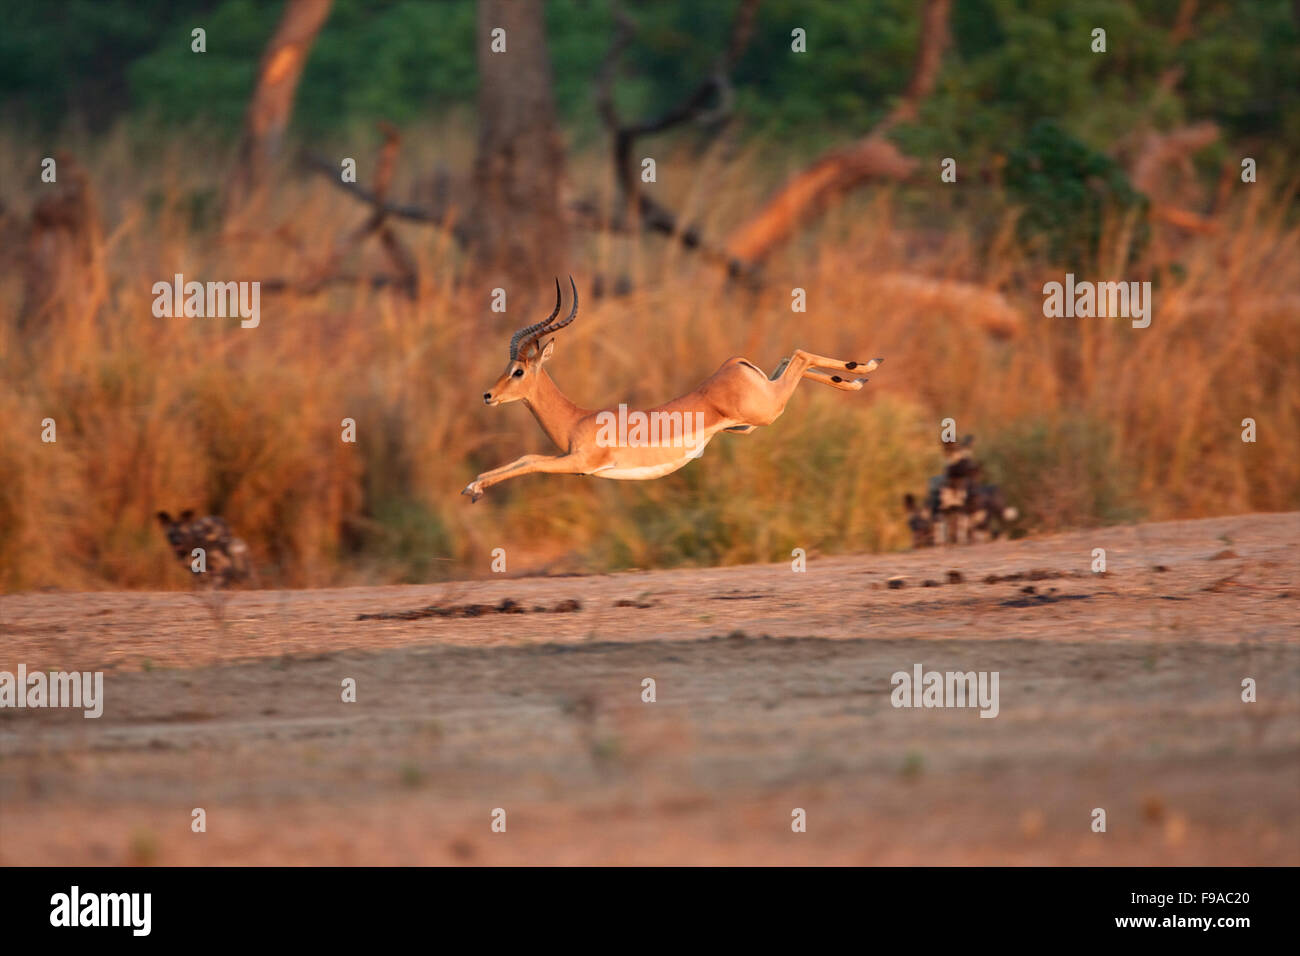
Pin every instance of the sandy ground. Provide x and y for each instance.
(1120, 692)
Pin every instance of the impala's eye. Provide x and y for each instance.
(518, 372)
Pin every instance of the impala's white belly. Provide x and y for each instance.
(646, 472)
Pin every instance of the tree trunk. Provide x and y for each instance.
(518, 221)
(271, 106)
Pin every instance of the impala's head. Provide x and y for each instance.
(528, 353)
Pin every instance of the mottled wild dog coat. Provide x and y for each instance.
(920, 521)
(958, 504)
(737, 398)
(967, 504)
(225, 555)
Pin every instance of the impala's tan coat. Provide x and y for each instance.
(738, 397)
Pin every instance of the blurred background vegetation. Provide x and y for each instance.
(1013, 63)
(1083, 422)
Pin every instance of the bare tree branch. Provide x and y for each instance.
(635, 204)
(376, 223)
(810, 191)
(411, 213)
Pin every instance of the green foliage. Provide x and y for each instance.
(1012, 63)
(73, 55)
(1067, 189)
(399, 61)
(178, 84)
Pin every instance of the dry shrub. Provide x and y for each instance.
(1084, 421)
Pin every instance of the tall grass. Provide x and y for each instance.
(1085, 421)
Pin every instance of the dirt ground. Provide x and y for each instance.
(1120, 691)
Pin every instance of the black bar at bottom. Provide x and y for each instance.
(656, 906)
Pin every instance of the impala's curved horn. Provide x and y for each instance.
(573, 313)
(525, 336)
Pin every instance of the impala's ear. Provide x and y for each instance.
(547, 349)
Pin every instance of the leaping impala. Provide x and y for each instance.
(613, 443)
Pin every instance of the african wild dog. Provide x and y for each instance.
(957, 504)
(954, 490)
(966, 504)
(920, 521)
(988, 511)
(225, 556)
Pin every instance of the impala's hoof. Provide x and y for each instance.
(474, 492)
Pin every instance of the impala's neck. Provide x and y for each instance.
(554, 412)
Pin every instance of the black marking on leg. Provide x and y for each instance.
(836, 378)
(851, 365)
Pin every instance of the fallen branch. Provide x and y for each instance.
(1184, 219)
(986, 308)
(808, 193)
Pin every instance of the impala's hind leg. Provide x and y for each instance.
(764, 405)
(803, 365)
(821, 361)
(835, 381)
(780, 370)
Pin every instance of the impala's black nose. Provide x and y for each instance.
(487, 396)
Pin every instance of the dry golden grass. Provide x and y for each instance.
(1084, 421)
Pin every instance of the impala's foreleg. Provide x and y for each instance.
(527, 465)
